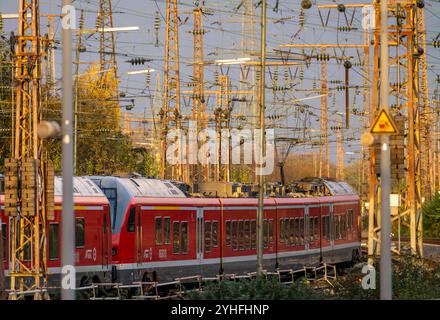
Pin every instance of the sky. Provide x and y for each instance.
(222, 40)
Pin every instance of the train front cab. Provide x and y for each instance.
(92, 241)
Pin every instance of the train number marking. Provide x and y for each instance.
(162, 253)
(148, 254)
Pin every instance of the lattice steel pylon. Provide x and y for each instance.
(171, 93)
(324, 160)
(29, 177)
(340, 161)
(406, 63)
(248, 109)
(199, 115)
(223, 121)
(107, 54)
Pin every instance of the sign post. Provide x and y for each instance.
(384, 126)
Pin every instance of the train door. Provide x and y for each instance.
(306, 228)
(138, 236)
(332, 227)
(199, 235)
(105, 240)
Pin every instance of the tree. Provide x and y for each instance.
(5, 101)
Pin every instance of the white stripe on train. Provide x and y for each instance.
(195, 262)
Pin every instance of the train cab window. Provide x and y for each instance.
(234, 235)
(4, 240)
(281, 230)
(176, 237)
(54, 241)
(247, 234)
(184, 237)
(271, 231)
(131, 220)
(228, 233)
(215, 234)
(253, 234)
(208, 236)
(80, 233)
(112, 196)
(158, 224)
(166, 230)
(241, 235)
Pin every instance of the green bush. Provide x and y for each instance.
(256, 289)
(431, 217)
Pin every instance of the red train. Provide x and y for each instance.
(158, 233)
(93, 233)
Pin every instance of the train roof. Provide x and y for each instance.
(121, 190)
(82, 187)
(140, 186)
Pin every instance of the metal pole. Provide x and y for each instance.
(2, 257)
(260, 212)
(385, 165)
(67, 218)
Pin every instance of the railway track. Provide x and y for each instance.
(432, 241)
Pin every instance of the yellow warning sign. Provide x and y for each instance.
(383, 124)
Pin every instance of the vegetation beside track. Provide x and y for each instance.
(412, 279)
(431, 217)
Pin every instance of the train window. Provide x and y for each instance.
(325, 227)
(208, 236)
(234, 235)
(158, 224)
(241, 234)
(316, 228)
(184, 234)
(215, 234)
(4, 240)
(271, 231)
(281, 230)
(265, 233)
(247, 234)
(301, 230)
(253, 234)
(54, 241)
(344, 226)
(311, 228)
(166, 230)
(131, 220)
(350, 219)
(80, 233)
(176, 237)
(338, 227)
(286, 231)
(228, 233)
(292, 232)
(295, 231)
